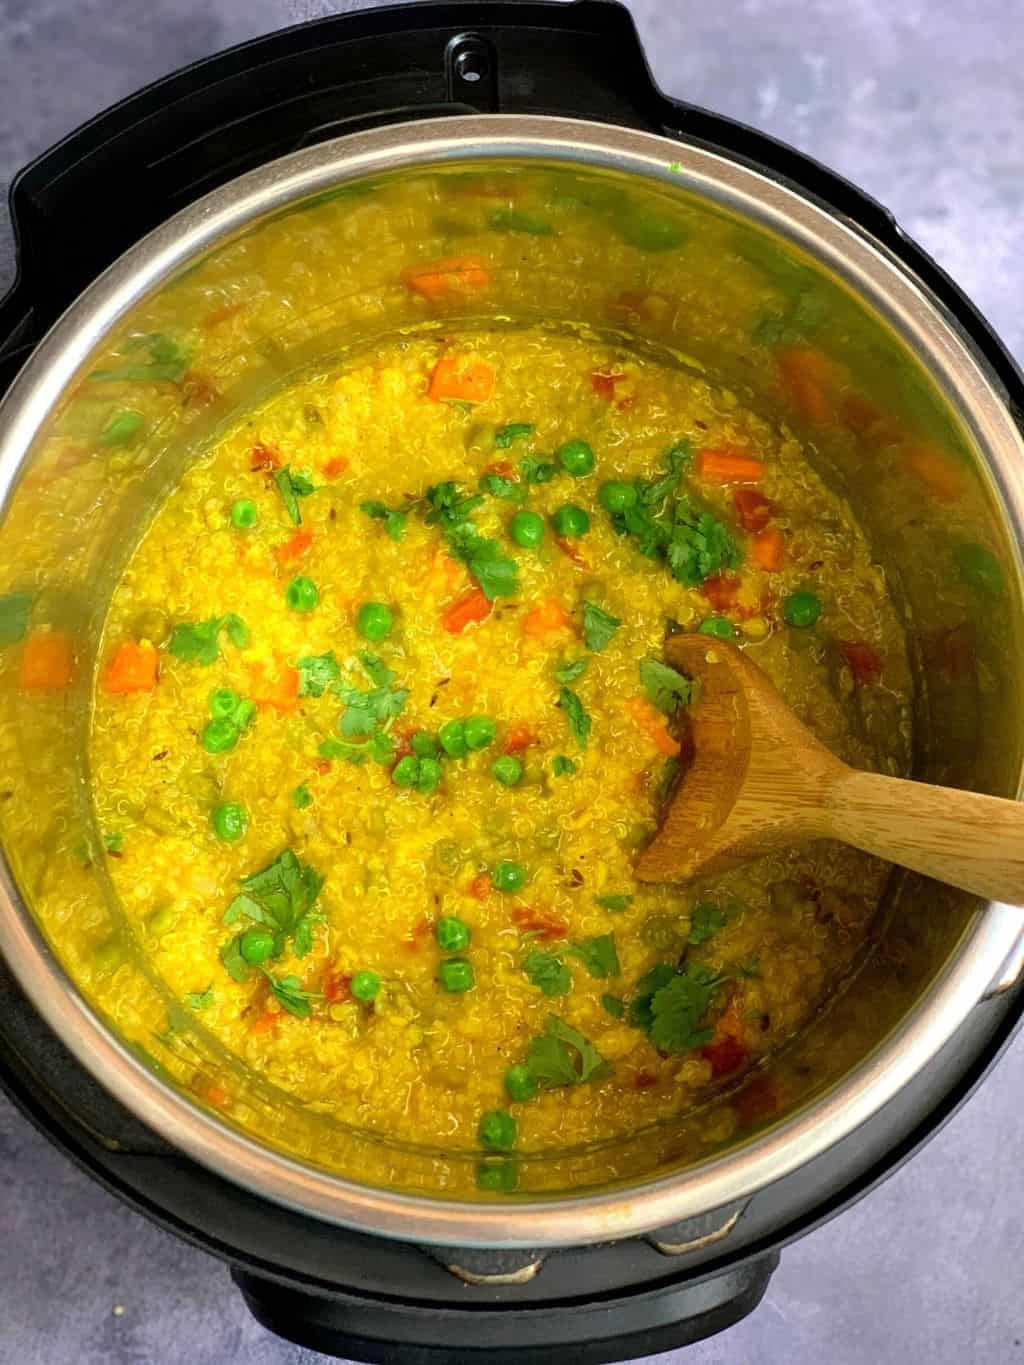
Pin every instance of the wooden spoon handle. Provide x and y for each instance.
(962, 838)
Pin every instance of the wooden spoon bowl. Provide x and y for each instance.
(759, 780)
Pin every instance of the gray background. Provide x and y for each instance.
(923, 105)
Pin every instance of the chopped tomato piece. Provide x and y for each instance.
(727, 464)
(454, 275)
(46, 663)
(863, 661)
(337, 987)
(217, 1096)
(937, 470)
(573, 552)
(540, 922)
(480, 887)
(768, 549)
(336, 465)
(293, 549)
(198, 389)
(547, 617)
(413, 940)
(754, 510)
(652, 723)
(264, 1023)
(264, 458)
(721, 590)
(520, 737)
(323, 766)
(275, 685)
(807, 377)
(461, 379)
(474, 606)
(503, 467)
(134, 668)
(726, 1055)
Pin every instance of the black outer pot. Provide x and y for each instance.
(338, 1291)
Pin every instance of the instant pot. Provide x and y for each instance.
(336, 1239)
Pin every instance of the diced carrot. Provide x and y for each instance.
(863, 661)
(217, 1096)
(572, 551)
(198, 389)
(543, 923)
(728, 464)
(435, 280)
(414, 939)
(290, 550)
(222, 314)
(503, 467)
(603, 383)
(134, 668)
(481, 886)
(520, 737)
(323, 766)
(474, 606)
(652, 723)
(275, 685)
(721, 590)
(462, 379)
(336, 465)
(547, 617)
(768, 549)
(807, 377)
(264, 458)
(936, 469)
(754, 510)
(264, 1023)
(46, 663)
(337, 987)
(726, 1055)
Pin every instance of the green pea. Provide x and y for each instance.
(480, 440)
(230, 821)
(122, 428)
(224, 702)
(497, 1130)
(979, 567)
(520, 1082)
(570, 520)
(452, 934)
(446, 855)
(507, 770)
(161, 921)
(429, 775)
(257, 945)
(109, 956)
(406, 771)
(527, 529)
(424, 745)
(244, 712)
(617, 496)
(452, 738)
(647, 229)
(365, 986)
(220, 735)
(802, 609)
(479, 732)
(718, 626)
(576, 458)
(302, 594)
(497, 1177)
(244, 515)
(375, 620)
(456, 975)
(508, 876)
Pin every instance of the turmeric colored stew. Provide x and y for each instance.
(381, 718)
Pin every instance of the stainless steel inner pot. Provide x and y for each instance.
(72, 514)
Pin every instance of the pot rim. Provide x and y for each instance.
(987, 943)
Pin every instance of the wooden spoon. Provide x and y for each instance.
(759, 780)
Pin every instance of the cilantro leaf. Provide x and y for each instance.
(382, 749)
(752, 966)
(377, 670)
(199, 1000)
(302, 797)
(534, 470)
(599, 626)
(514, 431)
(667, 689)
(567, 673)
(14, 613)
(341, 749)
(168, 361)
(678, 1007)
(700, 546)
(234, 963)
(302, 940)
(561, 1055)
(364, 711)
(615, 1006)
(579, 721)
(292, 487)
(547, 972)
(598, 955)
(615, 903)
(640, 1013)
(496, 573)
(393, 518)
(707, 920)
(196, 642)
(317, 672)
(498, 486)
(238, 632)
(281, 896)
(114, 842)
(562, 766)
(287, 990)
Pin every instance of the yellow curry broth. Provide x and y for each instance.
(419, 1062)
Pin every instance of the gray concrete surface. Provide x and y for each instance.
(921, 103)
